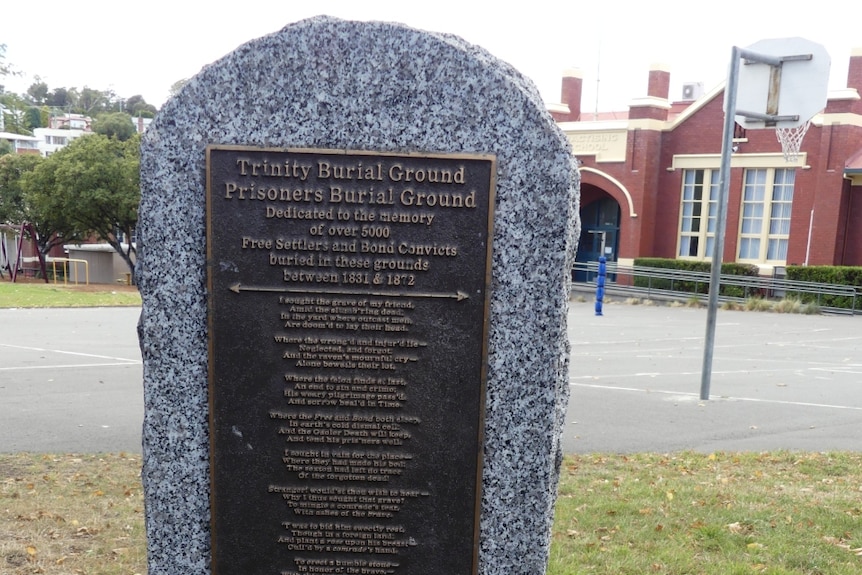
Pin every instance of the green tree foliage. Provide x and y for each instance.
(12, 168)
(94, 182)
(16, 207)
(5, 148)
(33, 117)
(5, 67)
(91, 101)
(114, 125)
(177, 86)
(62, 98)
(15, 116)
(136, 107)
(17, 174)
(38, 92)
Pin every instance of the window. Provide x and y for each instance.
(697, 213)
(767, 198)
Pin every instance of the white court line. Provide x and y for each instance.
(716, 397)
(678, 373)
(70, 366)
(617, 342)
(70, 353)
(839, 369)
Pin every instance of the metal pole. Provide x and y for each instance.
(721, 217)
(810, 229)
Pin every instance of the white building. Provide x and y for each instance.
(21, 144)
(72, 122)
(52, 139)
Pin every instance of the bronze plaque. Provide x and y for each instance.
(348, 302)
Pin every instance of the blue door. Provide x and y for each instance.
(600, 230)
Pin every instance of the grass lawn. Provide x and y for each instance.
(71, 514)
(776, 513)
(31, 293)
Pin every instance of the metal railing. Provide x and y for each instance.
(650, 282)
(66, 262)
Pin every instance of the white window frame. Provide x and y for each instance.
(766, 204)
(697, 214)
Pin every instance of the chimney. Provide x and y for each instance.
(655, 105)
(847, 101)
(570, 96)
(659, 81)
(854, 71)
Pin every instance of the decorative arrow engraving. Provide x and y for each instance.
(458, 295)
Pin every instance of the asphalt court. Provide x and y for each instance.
(70, 381)
(779, 381)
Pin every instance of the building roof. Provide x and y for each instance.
(854, 163)
(19, 137)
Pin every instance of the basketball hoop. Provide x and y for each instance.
(791, 140)
(782, 84)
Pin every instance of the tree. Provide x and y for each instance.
(15, 116)
(177, 86)
(5, 68)
(51, 230)
(38, 91)
(91, 101)
(136, 106)
(95, 183)
(115, 125)
(16, 209)
(62, 98)
(33, 117)
(12, 168)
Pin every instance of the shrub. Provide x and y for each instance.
(693, 286)
(836, 275)
(757, 304)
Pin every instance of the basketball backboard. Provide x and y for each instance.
(797, 87)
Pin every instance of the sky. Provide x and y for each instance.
(146, 47)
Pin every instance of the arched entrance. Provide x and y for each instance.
(600, 228)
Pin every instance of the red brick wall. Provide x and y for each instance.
(836, 236)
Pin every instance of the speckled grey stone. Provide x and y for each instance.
(328, 83)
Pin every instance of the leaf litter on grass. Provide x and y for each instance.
(71, 514)
(773, 513)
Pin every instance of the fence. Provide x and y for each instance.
(651, 282)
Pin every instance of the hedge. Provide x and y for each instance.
(693, 266)
(836, 275)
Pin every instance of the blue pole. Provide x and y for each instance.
(600, 284)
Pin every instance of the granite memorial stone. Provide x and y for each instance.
(354, 244)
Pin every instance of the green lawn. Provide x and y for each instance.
(775, 513)
(40, 294)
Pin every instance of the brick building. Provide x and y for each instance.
(648, 176)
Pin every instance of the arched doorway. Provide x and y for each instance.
(600, 229)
